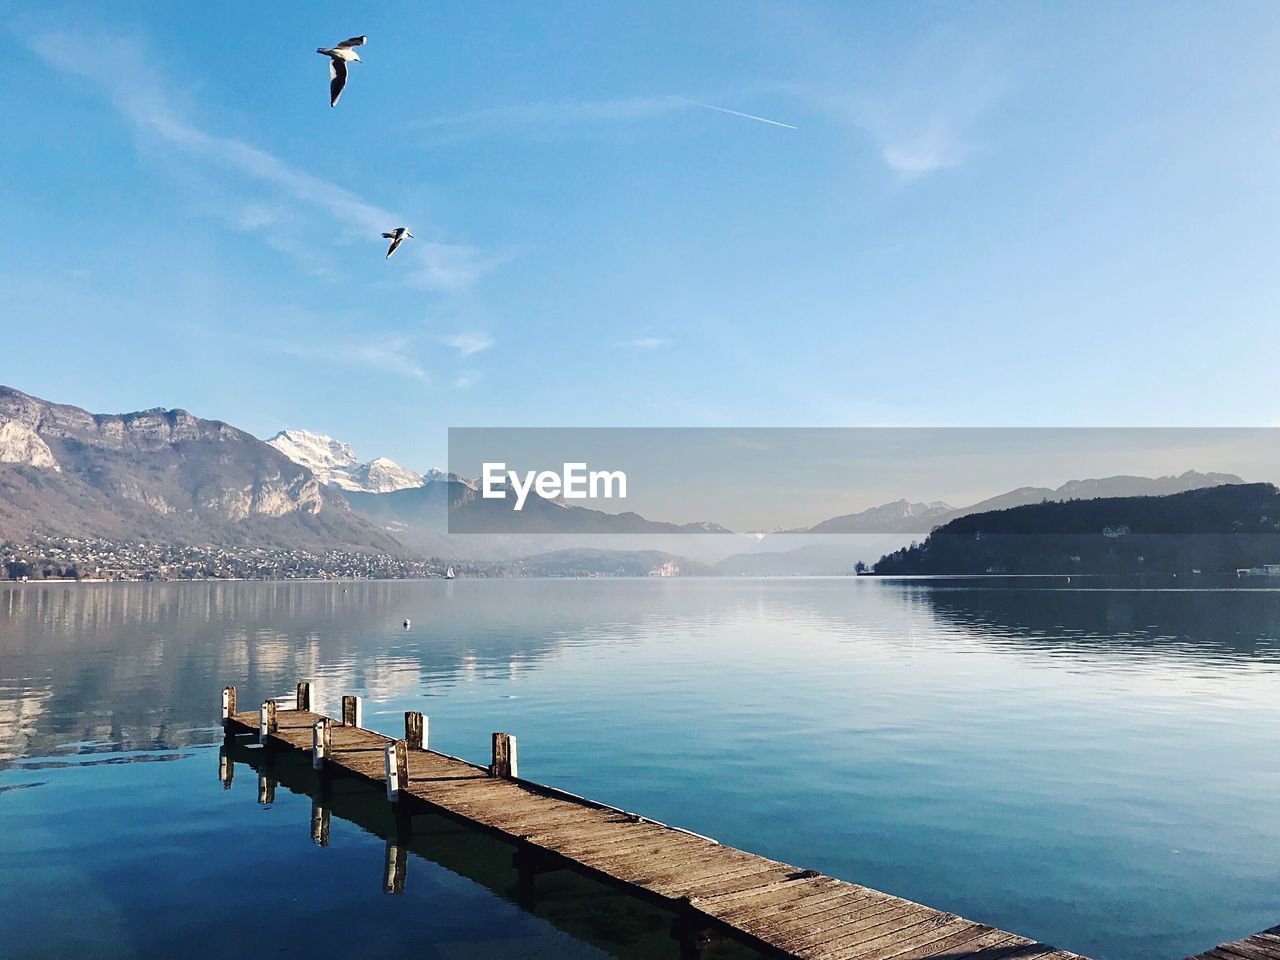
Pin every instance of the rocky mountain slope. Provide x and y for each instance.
(901, 515)
(160, 475)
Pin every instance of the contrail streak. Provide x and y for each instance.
(736, 113)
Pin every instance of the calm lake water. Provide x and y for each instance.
(1098, 768)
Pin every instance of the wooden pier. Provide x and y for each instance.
(1260, 946)
(713, 890)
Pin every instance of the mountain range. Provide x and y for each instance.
(165, 475)
(903, 516)
(168, 476)
(869, 533)
(160, 475)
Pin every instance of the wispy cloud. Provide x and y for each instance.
(562, 115)
(469, 342)
(921, 109)
(465, 378)
(912, 145)
(141, 95)
(644, 343)
(385, 354)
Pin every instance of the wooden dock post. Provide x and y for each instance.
(415, 730)
(268, 723)
(397, 759)
(395, 866)
(303, 700)
(352, 712)
(319, 824)
(228, 705)
(504, 757)
(266, 789)
(321, 742)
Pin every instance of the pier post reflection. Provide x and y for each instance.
(319, 823)
(395, 867)
(226, 769)
(266, 789)
(624, 926)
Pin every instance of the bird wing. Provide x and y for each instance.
(353, 42)
(394, 243)
(337, 79)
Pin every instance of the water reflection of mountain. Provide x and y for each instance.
(88, 668)
(127, 667)
(1210, 625)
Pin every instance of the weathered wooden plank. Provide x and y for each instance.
(839, 929)
(789, 914)
(847, 941)
(591, 837)
(596, 846)
(530, 823)
(872, 903)
(673, 856)
(689, 878)
(625, 857)
(893, 942)
(760, 878)
(638, 869)
(752, 902)
(965, 942)
(698, 879)
(1249, 949)
(1008, 947)
(785, 904)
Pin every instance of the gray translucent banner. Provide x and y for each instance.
(900, 481)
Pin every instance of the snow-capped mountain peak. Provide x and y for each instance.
(333, 461)
(314, 450)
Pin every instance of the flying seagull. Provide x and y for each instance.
(338, 58)
(396, 237)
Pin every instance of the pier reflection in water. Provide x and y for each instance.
(589, 912)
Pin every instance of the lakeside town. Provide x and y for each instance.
(99, 560)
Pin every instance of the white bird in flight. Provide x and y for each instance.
(338, 58)
(396, 237)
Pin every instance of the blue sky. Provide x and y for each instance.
(987, 214)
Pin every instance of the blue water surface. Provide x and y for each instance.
(1089, 764)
